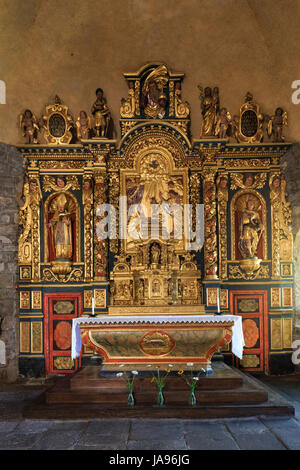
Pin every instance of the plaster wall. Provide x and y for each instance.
(70, 47)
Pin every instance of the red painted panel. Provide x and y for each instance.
(58, 330)
(255, 326)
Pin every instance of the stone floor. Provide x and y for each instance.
(135, 434)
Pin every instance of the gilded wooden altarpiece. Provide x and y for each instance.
(244, 267)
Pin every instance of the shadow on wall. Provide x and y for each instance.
(291, 169)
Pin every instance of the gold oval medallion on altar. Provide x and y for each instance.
(157, 343)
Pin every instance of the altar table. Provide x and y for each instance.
(142, 339)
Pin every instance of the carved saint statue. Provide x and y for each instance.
(62, 235)
(83, 126)
(251, 229)
(61, 218)
(101, 113)
(155, 253)
(29, 126)
(275, 125)
(153, 99)
(209, 105)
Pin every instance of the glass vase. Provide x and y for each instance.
(130, 399)
(192, 398)
(160, 397)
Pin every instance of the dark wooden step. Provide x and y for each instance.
(38, 409)
(251, 398)
(89, 379)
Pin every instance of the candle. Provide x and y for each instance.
(93, 305)
(218, 300)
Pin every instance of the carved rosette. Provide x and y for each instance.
(100, 245)
(210, 229)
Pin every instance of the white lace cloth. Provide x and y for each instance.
(237, 343)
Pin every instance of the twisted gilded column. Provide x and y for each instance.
(100, 245)
(210, 224)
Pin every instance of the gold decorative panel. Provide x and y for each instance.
(100, 298)
(287, 297)
(24, 337)
(287, 332)
(212, 296)
(36, 300)
(36, 337)
(276, 333)
(25, 299)
(250, 361)
(275, 297)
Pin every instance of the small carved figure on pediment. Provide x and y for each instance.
(101, 114)
(30, 127)
(222, 129)
(275, 125)
(127, 107)
(83, 126)
(182, 109)
(209, 105)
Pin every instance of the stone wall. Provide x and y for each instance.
(291, 168)
(11, 171)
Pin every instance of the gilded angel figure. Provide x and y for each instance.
(29, 125)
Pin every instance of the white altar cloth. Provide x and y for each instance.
(237, 331)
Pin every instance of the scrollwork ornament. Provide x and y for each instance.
(61, 183)
(235, 272)
(248, 180)
(76, 275)
(29, 240)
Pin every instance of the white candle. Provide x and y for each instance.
(218, 300)
(93, 305)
